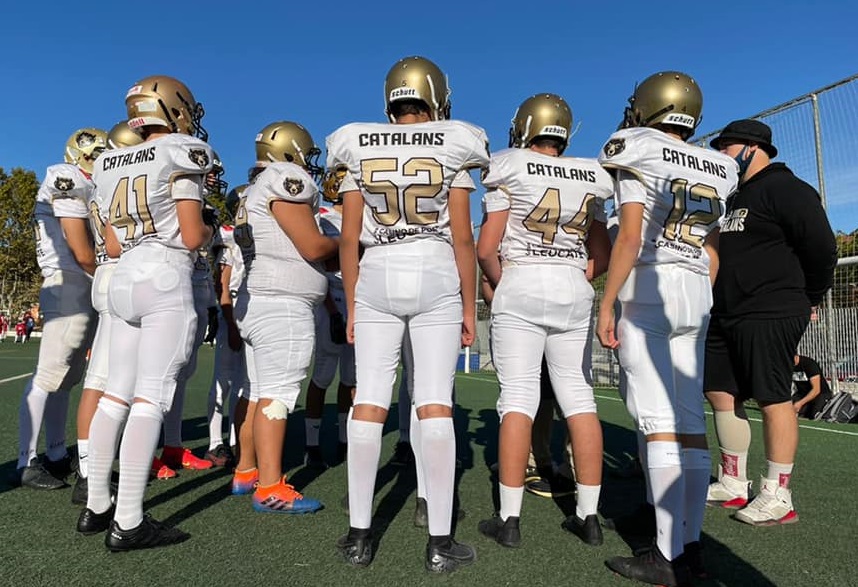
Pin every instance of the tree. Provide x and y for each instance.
(19, 272)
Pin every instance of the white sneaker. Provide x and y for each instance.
(771, 507)
(728, 492)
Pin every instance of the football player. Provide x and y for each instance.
(229, 371)
(65, 253)
(284, 252)
(95, 381)
(417, 276)
(546, 212)
(331, 346)
(670, 197)
(174, 455)
(155, 211)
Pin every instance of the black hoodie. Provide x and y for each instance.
(777, 251)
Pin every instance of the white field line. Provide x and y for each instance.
(15, 378)
(617, 399)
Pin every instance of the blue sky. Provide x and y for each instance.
(323, 65)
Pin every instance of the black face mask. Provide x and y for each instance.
(742, 162)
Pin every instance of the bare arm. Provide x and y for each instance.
(297, 221)
(463, 249)
(79, 240)
(491, 234)
(711, 246)
(350, 252)
(111, 243)
(598, 249)
(815, 390)
(195, 233)
(623, 257)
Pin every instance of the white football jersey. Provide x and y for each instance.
(135, 186)
(552, 203)
(273, 265)
(404, 173)
(683, 189)
(64, 193)
(331, 223)
(98, 224)
(230, 255)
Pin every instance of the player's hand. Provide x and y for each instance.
(233, 338)
(469, 327)
(337, 328)
(797, 407)
(606, 329)
(350, 329)
(814, 313)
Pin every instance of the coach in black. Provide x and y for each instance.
(777, 258)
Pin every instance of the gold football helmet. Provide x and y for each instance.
(542, 115)
(84, 147)
(417, 78)
(289, 141)
(233, 198)
(161, 100)
(331, 184)
(667, 97)
(121, 136)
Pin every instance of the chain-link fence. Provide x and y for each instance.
(817, 137)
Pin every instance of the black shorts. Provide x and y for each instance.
(752, 358)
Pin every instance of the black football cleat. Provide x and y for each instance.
(89, 523)
(36, 476)
(651, 567)
(445, 555)
(588, 529)
(150, 533)
(356, 547)
(506, 533)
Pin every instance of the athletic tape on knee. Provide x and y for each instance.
(663, 454)
(734, 433)
(276, 410)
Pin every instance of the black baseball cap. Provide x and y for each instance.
(747, 131)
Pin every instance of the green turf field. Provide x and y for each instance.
(233, 546)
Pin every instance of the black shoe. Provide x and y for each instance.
(402, 455)
(550, 485)
(651, 567)
(342, 451)
(89, 523)
(588, 529)
(61, 468)
(421, 513)
(640, 522)
(150, 533)
(694, 559)
(445, 555)
(313, 458)
(356, 547)
(36, 476)
(221, 456)
(506, 533)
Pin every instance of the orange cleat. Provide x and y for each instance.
(179, 457)
(160, 470)
(281, 498)
(244, 482)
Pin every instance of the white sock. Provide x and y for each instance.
(418, 452)
(135, 461)
(311, 431)
(83, 456)
(343, 426)
(782, 473)
(30, 416)
(696, 464)
(668, 492)
(214, 411)
(438, 445)
(103, 437)
(56, 415)
(404, 411)
(233, 400)
(510, 501)
(173, 418)
(587, 502)
(364, 452)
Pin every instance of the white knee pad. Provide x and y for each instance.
(62, 353)
(576, 402)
